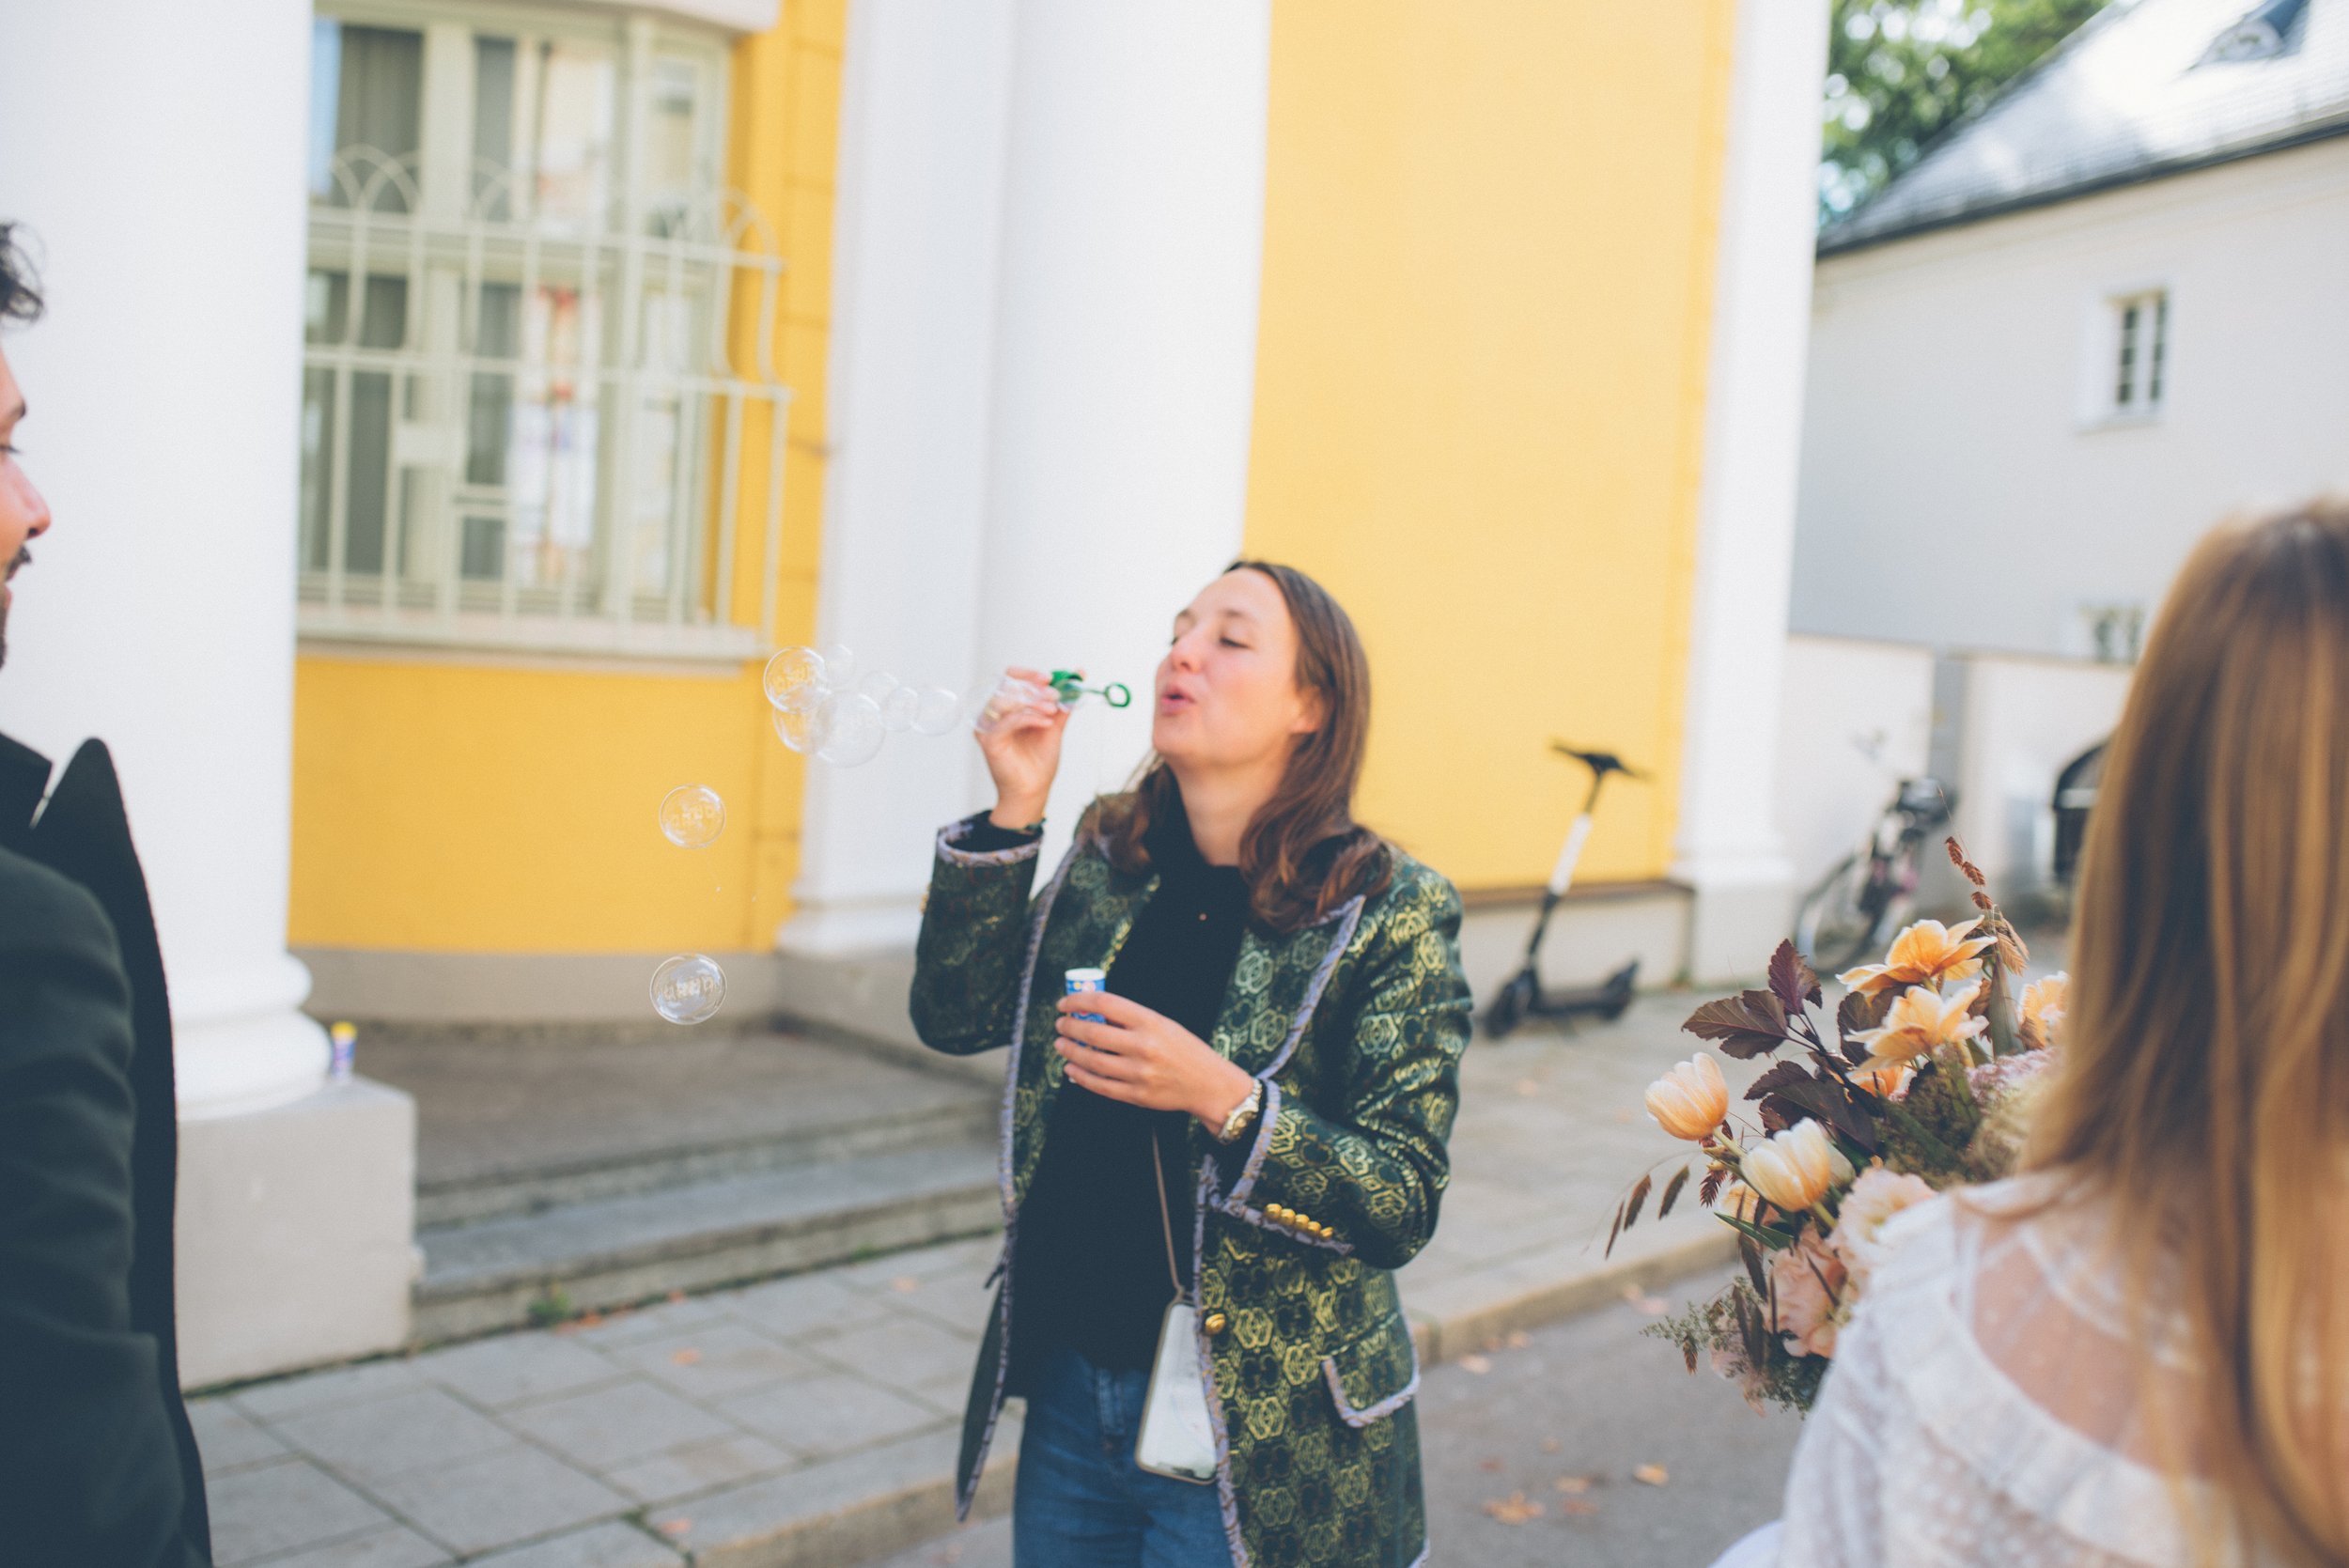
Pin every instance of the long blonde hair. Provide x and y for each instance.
(2205, 1084)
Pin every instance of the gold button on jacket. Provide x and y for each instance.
(1355, 1025)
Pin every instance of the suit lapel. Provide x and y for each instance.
(24, 777)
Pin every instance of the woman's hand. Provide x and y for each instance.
(1147, 1058)
(1021, 744)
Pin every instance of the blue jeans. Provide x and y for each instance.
(1080, 1501)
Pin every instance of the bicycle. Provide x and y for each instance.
(1871, 892)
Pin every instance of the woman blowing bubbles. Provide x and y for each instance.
(1283, 1025)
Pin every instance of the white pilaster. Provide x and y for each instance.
(1729, 848)
(1124, 367)
(1048, 250)
(916, 233)
(157, 148)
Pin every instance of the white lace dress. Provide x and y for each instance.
(1988, 1406)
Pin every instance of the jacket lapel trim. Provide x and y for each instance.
(1348, 916)
(1019, 1022)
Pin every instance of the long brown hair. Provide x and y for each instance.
(2205, 1086)
(1303, 853)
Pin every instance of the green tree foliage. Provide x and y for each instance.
(1902, 71)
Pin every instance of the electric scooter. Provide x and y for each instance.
(1524, 997)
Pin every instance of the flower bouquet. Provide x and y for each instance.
(1925, 1080)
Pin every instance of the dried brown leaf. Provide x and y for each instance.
(1671, 1192)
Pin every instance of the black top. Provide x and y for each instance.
(1090, 1269)
(97, 1461)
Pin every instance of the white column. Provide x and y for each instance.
(1049, 231)
(916, 231)
(1730, 849)
(156, 149)
(1125, 366)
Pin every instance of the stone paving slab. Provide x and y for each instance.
(813, 1419)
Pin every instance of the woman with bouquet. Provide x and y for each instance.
(2137, 1351)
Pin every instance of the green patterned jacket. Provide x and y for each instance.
(1356, 1026)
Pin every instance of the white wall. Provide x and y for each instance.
(1855, 719)
(1952, 492)
(2025, 719)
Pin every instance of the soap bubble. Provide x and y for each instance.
(795, 679)
(688, 988)
(899, 708)
(840, 666)
(876, 685)
(855, 730)
(1011, 695)
(935, 710)
(693, 817)
(804, 729)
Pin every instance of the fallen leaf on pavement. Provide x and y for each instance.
(676, 1295)
(1552, 1445)
(676, 1527)
(1517, 1339)
(1573, 1485)
(1527, 1086)
(1478, 1365)
(1583, 1507)
(687, 1356)
(1651, 1475)
(1515, 1509)
(904, 1284)
(1488, 1463)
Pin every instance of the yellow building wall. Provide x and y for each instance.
(1480, 390)
(457, 804)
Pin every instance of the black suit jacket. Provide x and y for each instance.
(97, 1465)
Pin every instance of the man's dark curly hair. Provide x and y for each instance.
(20, 291)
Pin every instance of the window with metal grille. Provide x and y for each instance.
(2140, 353)
(540, 402)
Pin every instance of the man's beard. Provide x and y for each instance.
(23, 558)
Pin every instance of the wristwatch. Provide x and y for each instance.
(1242, 1113)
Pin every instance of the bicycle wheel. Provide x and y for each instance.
(1837, 919)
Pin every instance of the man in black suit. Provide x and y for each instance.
(98, 1467)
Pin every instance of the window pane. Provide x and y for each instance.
(2124, 391)
(572, 138)
(378, 95)
(2161, 348)
(326, 75)
(492, 124)
(671, 141)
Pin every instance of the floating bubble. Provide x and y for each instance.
(840, 666)
(693, 817)
(795, 679)
(1011, 696)
(876, 685)
(855, 731)
(935, 710)
(899, 708)
(688, 988)
(804, 729)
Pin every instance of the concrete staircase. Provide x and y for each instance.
(564, 1168)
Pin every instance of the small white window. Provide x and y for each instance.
(2139, 363)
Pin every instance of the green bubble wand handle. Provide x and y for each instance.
(1068, 684)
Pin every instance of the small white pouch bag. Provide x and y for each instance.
(1177, 1438)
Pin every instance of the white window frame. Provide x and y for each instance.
(713, 258)
(2118, 392)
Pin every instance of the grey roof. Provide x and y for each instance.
(2149, 87)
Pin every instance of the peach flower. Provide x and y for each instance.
(1794, 1168)
(1875, 1198)
(2043, 1003)
(1808, 1280)
(1690, 1101)
(1927, 954)
(1920, 1020)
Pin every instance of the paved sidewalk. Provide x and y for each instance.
(811, 1421)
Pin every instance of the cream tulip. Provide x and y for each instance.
(1795, 1168)
(1690, 1101)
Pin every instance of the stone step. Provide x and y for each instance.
(470, 1198)
(611, 1251)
